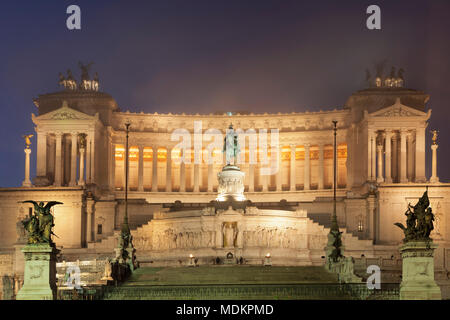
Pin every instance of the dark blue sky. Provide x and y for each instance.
(201, 56)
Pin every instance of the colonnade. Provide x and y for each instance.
(396, 155)
(172, 160)
(66, 158)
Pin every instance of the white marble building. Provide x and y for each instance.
(381, 168)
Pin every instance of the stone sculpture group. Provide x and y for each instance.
(419, 220)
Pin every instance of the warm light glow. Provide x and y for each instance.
(191, 256)
(268, 255)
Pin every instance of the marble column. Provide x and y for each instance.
(374, 157)
(88, 159)
(279, 165)
(41, 150)
(380, 177)
(93, 167)
(81, 181)
(66, 161)
(155, 169)
(387, 159)
(403, 164)
(196, 177)
(73, 163)
(210, 171)
(27, 182)
(307, 180)
(141, 169)
(182, 176)
(321, 167)
(89, 218)
(292, 180)
(58, 160)
(395, 174)
(169, 170)
(264, 181)
(434, 178)
(420, 155)
(369, 154)
(251, 177)
(113, 167)
(410, 157)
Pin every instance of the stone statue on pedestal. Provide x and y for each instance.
(39, 226)
(231, 146)
(27, 138)
(418, 253)
(229, 234)
(419, 221)
(40, 254)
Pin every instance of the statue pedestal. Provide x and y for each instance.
(231, 184)
(40, 272)
(418, 272)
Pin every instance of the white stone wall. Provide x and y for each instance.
(392, 205)
(69, 217)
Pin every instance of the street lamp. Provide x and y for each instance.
(334, 225)
(125, 226)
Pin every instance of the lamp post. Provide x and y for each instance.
(125, 226)
(334, 244)
(334, 225)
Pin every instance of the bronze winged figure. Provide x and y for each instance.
(39, 226)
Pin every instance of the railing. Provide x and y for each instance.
(84, 293)
(301, 291)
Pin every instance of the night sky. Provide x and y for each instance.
(203, 56)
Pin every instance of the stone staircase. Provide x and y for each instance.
(111, 241)
(324, 219)
(353, 246)
(241, 282)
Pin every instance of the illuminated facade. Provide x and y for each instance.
(381, 168)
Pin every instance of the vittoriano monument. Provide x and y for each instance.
(418, 253)
(40, 254)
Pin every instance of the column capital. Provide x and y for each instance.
(307, 145)
(389, 133)
(58, 134)
(41, 131)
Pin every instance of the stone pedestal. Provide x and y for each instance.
(418, 272)
(267, 260)
(231, 184)
(81, 181)
(191, 261)
(434, 178)
(40, 273)
(27, 182)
